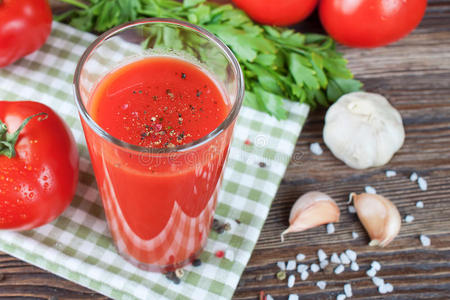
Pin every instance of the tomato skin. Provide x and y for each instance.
(370, 23)
(277, 12)
(38, 183)
(24, 28)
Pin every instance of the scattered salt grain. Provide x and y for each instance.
(300, 257)
(351, 254)
(291, 280)
(378, 281)
(321, 284)
(413, 177)
(375, 265)
(409, 218)
(293, 297)
(354, 266)
(423, 185)
(339, 269)
(348, 290)
(425, 240)
(304, 275)
(391, 173)
(324, 264)
(291, 265)
(340, 297)
(330, 228)
(370, 190)
(382, 289)
(419, 204)
(229, 254)
(335, 259)
(389, 287)
(314, 268)
(321, 255)
(281, 265)
(371, 272)
(344, 259)
(355, 235)
(351, 209)
(316, 149)
(269, 297)
(302, 268)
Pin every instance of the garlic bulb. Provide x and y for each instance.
(379, 216)
(363, 130)
(311, 210)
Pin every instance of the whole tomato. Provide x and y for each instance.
(38, 165)
(24, 28)
(277, 12)
(370, 23)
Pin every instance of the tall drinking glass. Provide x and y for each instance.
(159, 201)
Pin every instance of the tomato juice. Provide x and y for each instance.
(160, 203)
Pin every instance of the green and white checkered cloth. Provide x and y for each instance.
(78, 245)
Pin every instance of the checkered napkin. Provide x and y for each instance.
(78, 245)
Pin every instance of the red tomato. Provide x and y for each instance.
(24, 28)
(39, 182)
(277, 12)
(370, 23)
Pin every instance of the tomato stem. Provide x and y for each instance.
(8, 140)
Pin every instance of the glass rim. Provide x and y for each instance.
(231, 116)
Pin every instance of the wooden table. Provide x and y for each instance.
(415, 75)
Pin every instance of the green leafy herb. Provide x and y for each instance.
(278, 63)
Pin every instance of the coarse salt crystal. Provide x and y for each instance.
(355, 235)
(351, 209)
(293, 297)
(335, 259)
(382, 289)
(291, 280)
(330, 228)
(413, 177)
(419, 204)
(340, 297)
(422, 183)
(321, 284)
(314, 268)
(354, 266)
(269, 297)
(300, 257)
(229, 254)
(321, 255)
(324, 264)
(371, 272)
(409, 218)
(389, 287)
(375, 265)
(304, 275)
(291, 265)
(425, 240)
(351, 254)
(316, 149)
(348, 290)
(377, 281)
(302, 268)
(390, 173)
(370, 190)
(281, 265)
(344, 259)
(339, 269)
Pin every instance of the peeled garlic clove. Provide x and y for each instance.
(379, 217)
(311, 210)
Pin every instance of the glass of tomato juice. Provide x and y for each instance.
(158, 100)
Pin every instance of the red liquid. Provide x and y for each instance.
(159, 206)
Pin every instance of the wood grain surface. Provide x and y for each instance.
(415, 76)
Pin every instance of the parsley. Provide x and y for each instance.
(278, 63)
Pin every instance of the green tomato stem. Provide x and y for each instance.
(8, 140)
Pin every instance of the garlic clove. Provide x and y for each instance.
(379, 216)
(311, 210)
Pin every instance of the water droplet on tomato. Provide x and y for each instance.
(31, 195)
